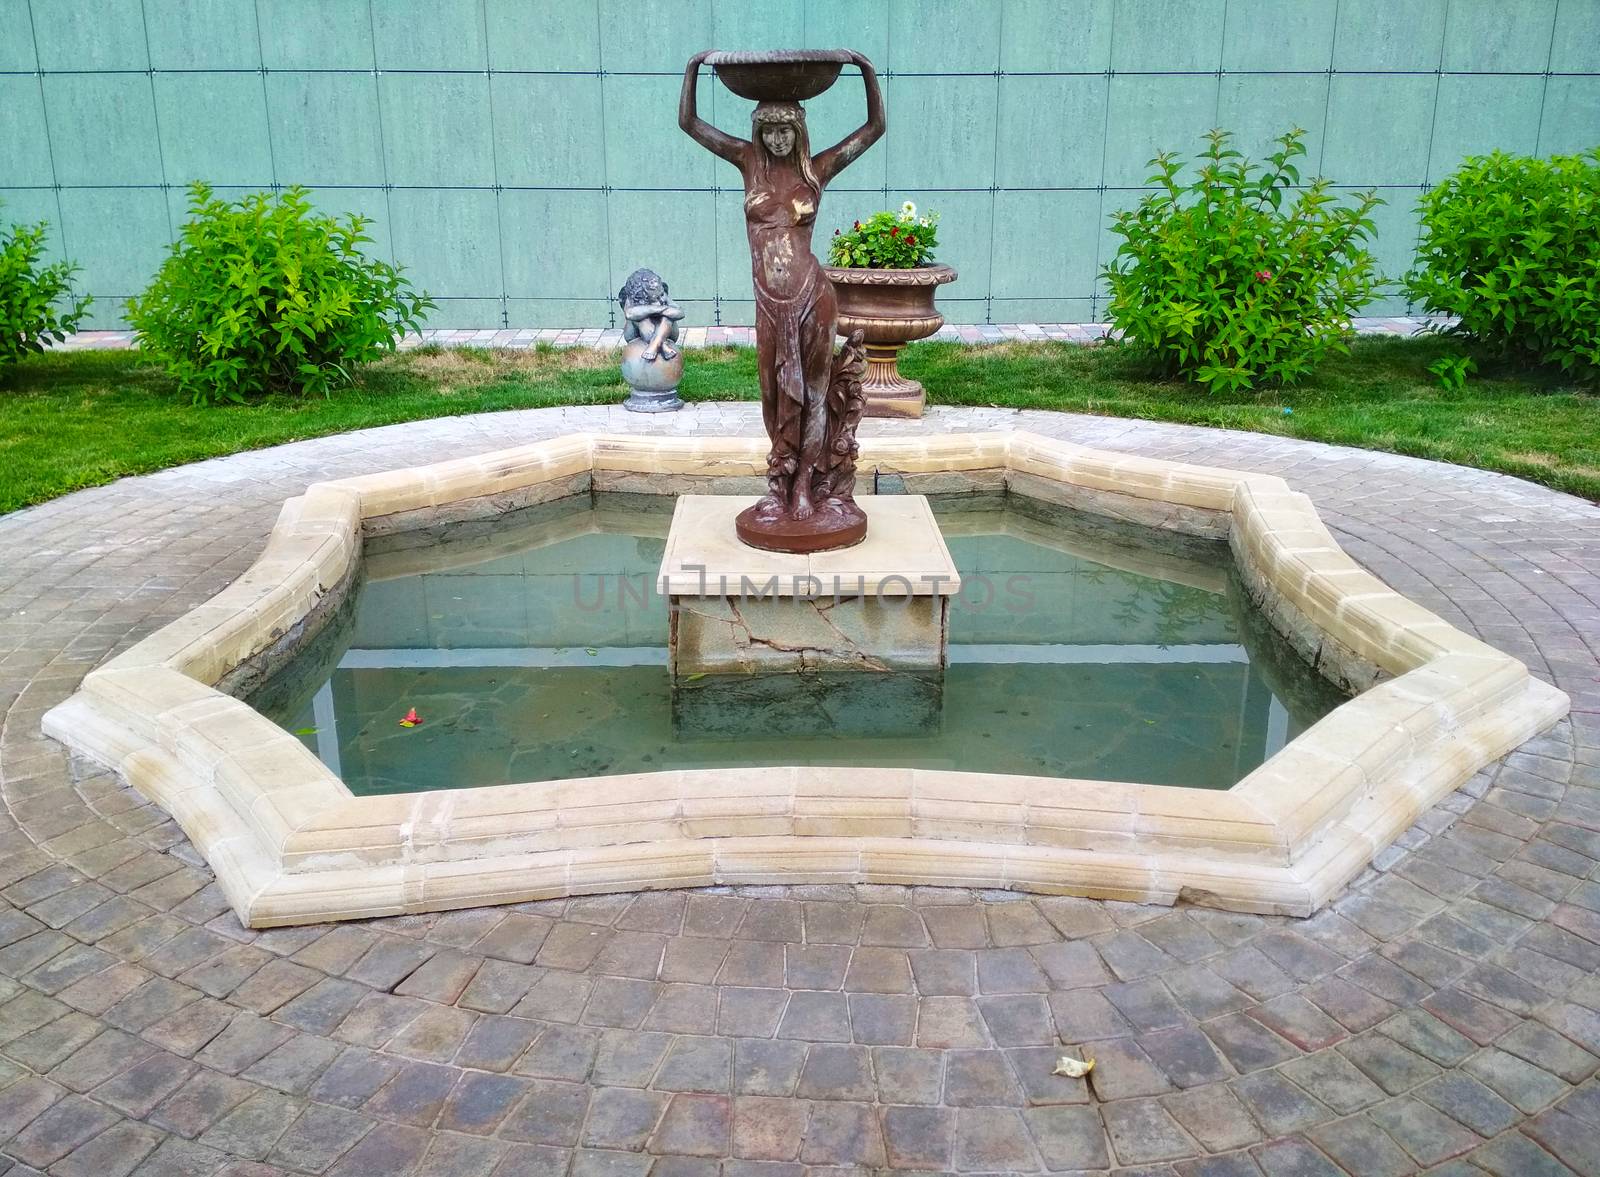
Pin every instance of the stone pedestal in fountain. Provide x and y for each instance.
(883, 604)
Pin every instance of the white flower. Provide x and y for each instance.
(908, 211)
(925, 222)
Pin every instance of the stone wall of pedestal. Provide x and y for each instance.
(883, 604)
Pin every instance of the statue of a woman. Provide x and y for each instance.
(795, 310)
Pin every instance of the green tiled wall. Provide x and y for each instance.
(522, 156)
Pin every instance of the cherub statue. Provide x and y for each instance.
(650, 314)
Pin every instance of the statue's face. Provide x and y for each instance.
(779, 139)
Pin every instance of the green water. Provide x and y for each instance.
(534, 648)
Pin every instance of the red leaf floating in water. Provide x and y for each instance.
(412, 719)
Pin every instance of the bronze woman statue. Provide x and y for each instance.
(808, 506)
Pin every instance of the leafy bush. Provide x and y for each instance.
(1511, 246)
(268, 296)
(887, 241)
(1232, 280)
(31, 295)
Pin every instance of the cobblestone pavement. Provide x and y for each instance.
(1442, 1015)
(609, 337)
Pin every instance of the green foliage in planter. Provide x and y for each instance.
(887, 241)
(267, 295)
(1237, 278)
(1511, 247)
(32, 296)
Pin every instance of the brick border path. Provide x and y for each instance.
(1443, 1012)
(611, 337)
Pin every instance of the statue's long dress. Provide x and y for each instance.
(795, 316)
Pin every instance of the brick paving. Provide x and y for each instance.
(1442, 1014)
(744, 336)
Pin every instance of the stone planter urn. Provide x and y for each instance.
(890, 308)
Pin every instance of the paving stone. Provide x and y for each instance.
(497, 986)
(816, 1017)
(905, 1075)
(1034, 1068)
(354, 1077)
(1515, 1155)
(415, 1095)
(771, 1129)
(1067, 1137)
(561, 1052)
(626, 1058)
(1017, 1019)
(1010, 970)
(1279, 1106)
(395, 1151)
(1185, 1056)
(56, 1131)
(480, 1101)
(815, 966)
(1387, 1063)
(1082, 1015)
(992, 1139)
(462, 1156)
(23, 1102)
(1069, 964)
(1520, 1083)
(1246, 1043)
(113, 1153)
(837, 1072)
(1360, 1146)
(253, 1128)
(496, 1043)
(882, 1019)
(1141, 1131)
(552, 1114)
(697, 1065)
(555, 997)
(621, 1118)
(750, 1013)
(201, 1101)
(1292, 1017)
(104, 1056)
(1429, 1136)
(433, 1036)
(1467, 1015)
(1548, 1050)
(139, 1088)
(979, 1077)
(1293, 1157)
(1334, 1080)
(753, 964)
(319, 1136)
(1470, 1103)
(769, 1068)
(695, 1125)
(1214, 1116)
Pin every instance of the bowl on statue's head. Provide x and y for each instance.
(779, 75)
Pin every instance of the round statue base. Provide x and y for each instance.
(828, 529)
(651, 401)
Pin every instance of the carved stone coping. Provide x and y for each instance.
(935, 275)
(290, 844)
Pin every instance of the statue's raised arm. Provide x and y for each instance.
(845, 152)
(729, 147)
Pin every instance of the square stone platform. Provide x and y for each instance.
(881, 605)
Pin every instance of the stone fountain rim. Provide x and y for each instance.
(290, 844)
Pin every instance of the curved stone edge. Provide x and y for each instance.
(290, 844)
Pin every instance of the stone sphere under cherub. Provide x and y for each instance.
(652, 367)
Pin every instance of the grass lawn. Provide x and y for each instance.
(70, 420)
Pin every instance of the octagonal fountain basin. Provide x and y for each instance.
(1166, 682)
(534, 647)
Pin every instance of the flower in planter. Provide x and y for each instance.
(887, 241)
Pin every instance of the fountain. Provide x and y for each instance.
(886, 605)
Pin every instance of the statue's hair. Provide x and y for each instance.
(642, 286)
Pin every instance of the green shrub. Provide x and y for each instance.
(32, 296)
(1233, 280)
(1511, 247)
(268, 296)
